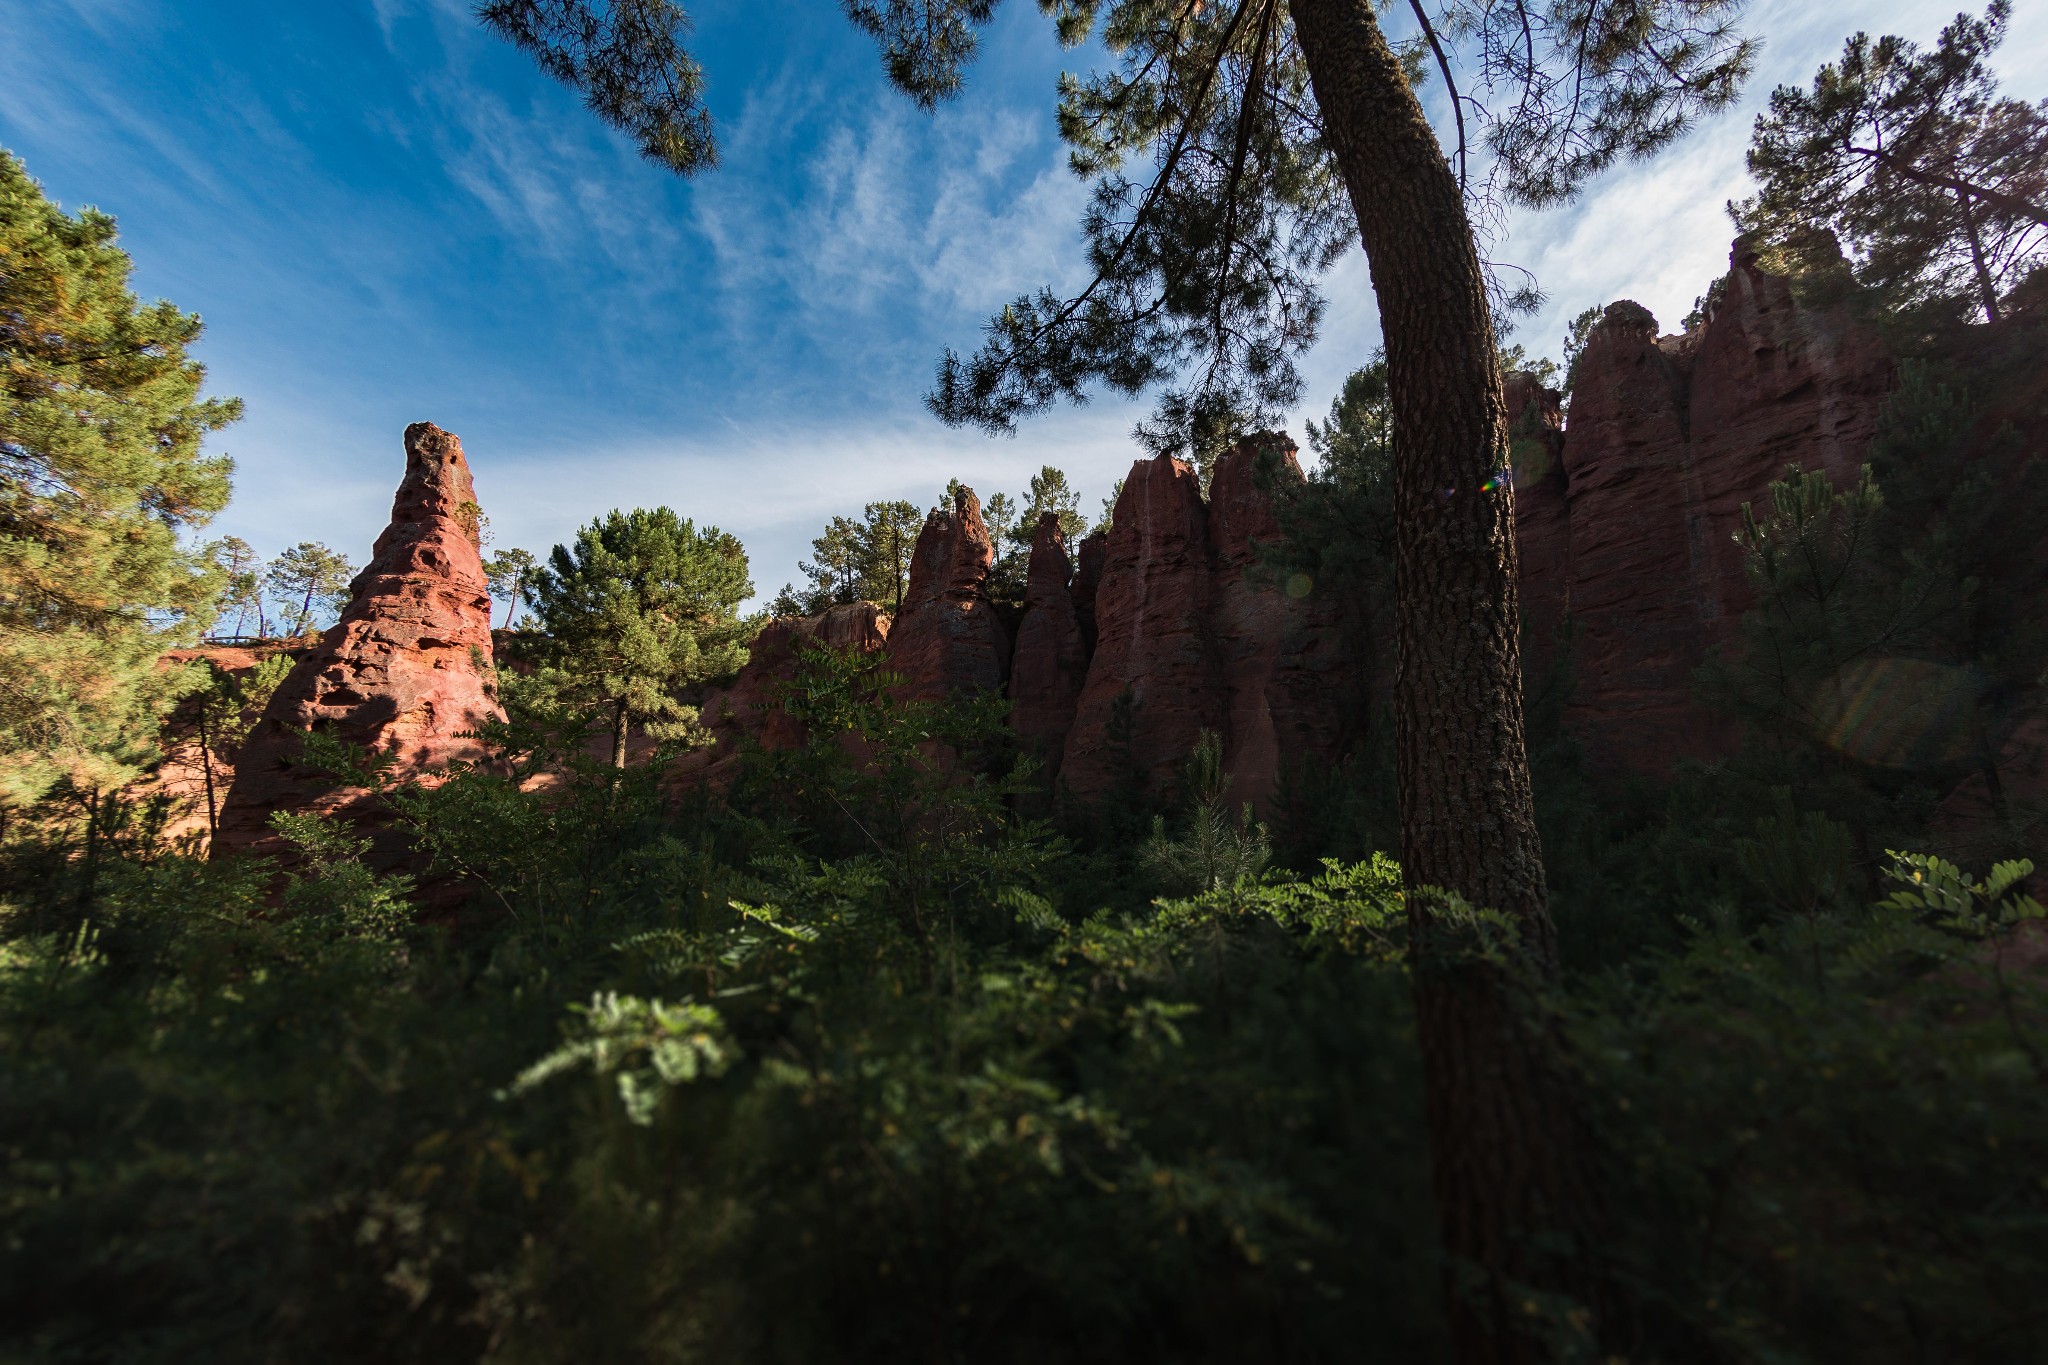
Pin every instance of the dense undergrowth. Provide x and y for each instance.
(862, 1063)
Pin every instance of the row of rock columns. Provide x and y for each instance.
(1633, 529)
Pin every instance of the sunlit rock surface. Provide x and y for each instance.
(405, 672)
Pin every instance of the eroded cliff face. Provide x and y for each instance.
(1193, 634)
(1282, 658)
(753, 700)
(1049, 665)
(947, 640)
(751, 703)
(404, 673)
(1154, 682)
(1667, 438)
(1132, 643)
(1543, 526)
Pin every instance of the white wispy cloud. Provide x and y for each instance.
(895, 213)
(813, 277)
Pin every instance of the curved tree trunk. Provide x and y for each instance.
(1509, 1153)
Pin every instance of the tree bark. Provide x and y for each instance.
(1511, 1158)
(206, 766)
(619, 733)
(1986, 291)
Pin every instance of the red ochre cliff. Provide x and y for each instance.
(1633, 530)
(1626, 516)
(1191, 634)
(1049, 665)
(404, 672)
(946, 641)
(1134, 642)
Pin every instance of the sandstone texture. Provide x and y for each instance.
(1155, 663)
(404, 672)
(1280, 657)
(1094, 553)
(751, 704)
(1049, 664)
(947, 640)
(1194, 634)
(1667, 438)
(1543, 526)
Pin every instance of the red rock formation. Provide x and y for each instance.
(1636, 552)
(403, 672)
(1087, 579)
(1050, 662)
(1279, 655)
(1543, 526)
(1667, 439)
(947, 640)
(1153, 643)
(751, 703)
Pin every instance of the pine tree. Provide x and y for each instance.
(1936, 185)
(217, 719)
(1050, 492)
(865, 559)
(1116, 490)
(887, 540)
(641, 607)
(1892, 634)
(834, 566)
(1005, 526)
(509, 572)
(241, 585)
(100, 471)
(1340, 522)
(1217, 847)
(1831, 603)
(311, 581)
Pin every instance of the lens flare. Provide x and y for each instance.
(1900, 713)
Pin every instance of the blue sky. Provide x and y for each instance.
(385, 215)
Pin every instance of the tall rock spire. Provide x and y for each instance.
(1154, 683)
(947, 641)
(404, 672)
(1050, 662)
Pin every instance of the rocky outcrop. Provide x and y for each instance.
(752, 703)
(1169, 624)
(1087, 579)
(947, 640)
(1280, 656)
(1668, 438)
(1154, 684)
(1543, 526)
(1050, 662)
(403, 673)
